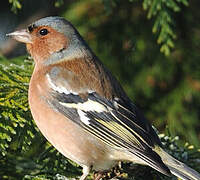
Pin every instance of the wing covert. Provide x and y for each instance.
(116, 121)
(104, 118)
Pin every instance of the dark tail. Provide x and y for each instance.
(178, 168)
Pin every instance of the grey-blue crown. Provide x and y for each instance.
(60, 24)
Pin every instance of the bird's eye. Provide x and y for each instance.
(43, 32)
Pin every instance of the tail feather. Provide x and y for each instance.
(186, 175)
(178, 168)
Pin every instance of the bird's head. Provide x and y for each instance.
(52, 39)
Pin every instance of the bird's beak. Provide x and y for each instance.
(21, 36)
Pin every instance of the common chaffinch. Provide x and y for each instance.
(81, 108)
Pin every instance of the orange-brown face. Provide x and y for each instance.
(41, 41)
(44, 42)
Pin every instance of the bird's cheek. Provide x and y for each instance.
(56, 44)
(38, 50)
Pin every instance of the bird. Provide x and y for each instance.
(81, 108)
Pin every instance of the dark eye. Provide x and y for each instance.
(43, 32)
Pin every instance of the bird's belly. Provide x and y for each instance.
(70, 139)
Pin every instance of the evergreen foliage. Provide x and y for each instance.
(163, 24)
(16, 5)
(14, 109)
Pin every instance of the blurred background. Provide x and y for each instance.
(152, 47)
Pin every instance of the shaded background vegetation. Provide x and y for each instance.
(151, 46)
